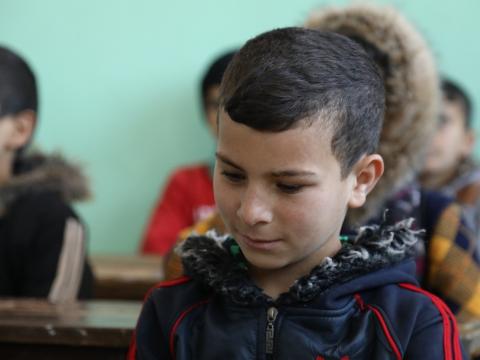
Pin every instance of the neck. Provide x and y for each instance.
(6, 160)
(277, 281)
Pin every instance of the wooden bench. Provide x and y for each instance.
(36, 329)
(125, 277)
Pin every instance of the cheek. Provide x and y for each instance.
(450, 135)
(301, 213)
(440, 149)
(225, 199)
(316, 214)
(449, 148)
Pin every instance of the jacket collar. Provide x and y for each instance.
(217, 262)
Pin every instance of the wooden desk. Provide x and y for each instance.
(36, 329)
(125, 277)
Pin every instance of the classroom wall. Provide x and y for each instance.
(119, 84)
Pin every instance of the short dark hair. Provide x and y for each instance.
(18, 88)
(454, 92)
(284, 77)
(213, 75)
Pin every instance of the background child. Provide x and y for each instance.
(42, 241)
(447, 263)
(188, 195)
(449, 166)
(300, 117)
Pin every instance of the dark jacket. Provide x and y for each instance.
(42, 240)
(363, 303)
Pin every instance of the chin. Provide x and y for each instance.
(265, 262)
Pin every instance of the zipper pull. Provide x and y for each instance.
(272, 313)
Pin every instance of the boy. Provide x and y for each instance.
(299, 121)
(42, 242)
(449, 165)
(188, 196)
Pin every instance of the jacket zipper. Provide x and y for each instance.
(272, 313)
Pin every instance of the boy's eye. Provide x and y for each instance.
(289, 188)
(233, 177)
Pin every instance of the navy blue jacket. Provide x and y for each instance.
(363, 303)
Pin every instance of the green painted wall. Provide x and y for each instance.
(119, 84)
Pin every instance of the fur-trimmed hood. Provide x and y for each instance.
(411, 85)
(217, 262)
(39, 173)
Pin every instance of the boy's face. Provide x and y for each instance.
(280, 195)
(15, 132)
(451, 142)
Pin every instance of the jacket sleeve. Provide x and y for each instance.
(54, 253)
(172, 214)
(435, 332)
(432, 340)
(149, 341)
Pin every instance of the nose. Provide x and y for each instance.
(254, 208)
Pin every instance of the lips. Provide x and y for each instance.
(259, 244)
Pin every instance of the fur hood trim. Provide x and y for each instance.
(217, 262)
(40, 173)
(411, 85)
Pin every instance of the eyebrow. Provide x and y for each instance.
(227, 161)
(292, 173)
(282, 173)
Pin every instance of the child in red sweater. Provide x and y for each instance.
(188, 195)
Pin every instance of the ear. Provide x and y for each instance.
(468, 142)
(366, 173)
(23, 126)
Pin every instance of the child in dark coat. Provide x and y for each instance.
(42, 241)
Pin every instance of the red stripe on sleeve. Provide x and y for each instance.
(449, 321)
(132, 349)
(386, 331)
(169, 283)
(383, 324)
(177, 324)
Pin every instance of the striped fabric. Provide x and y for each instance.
(454, 268)
(67, 280)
